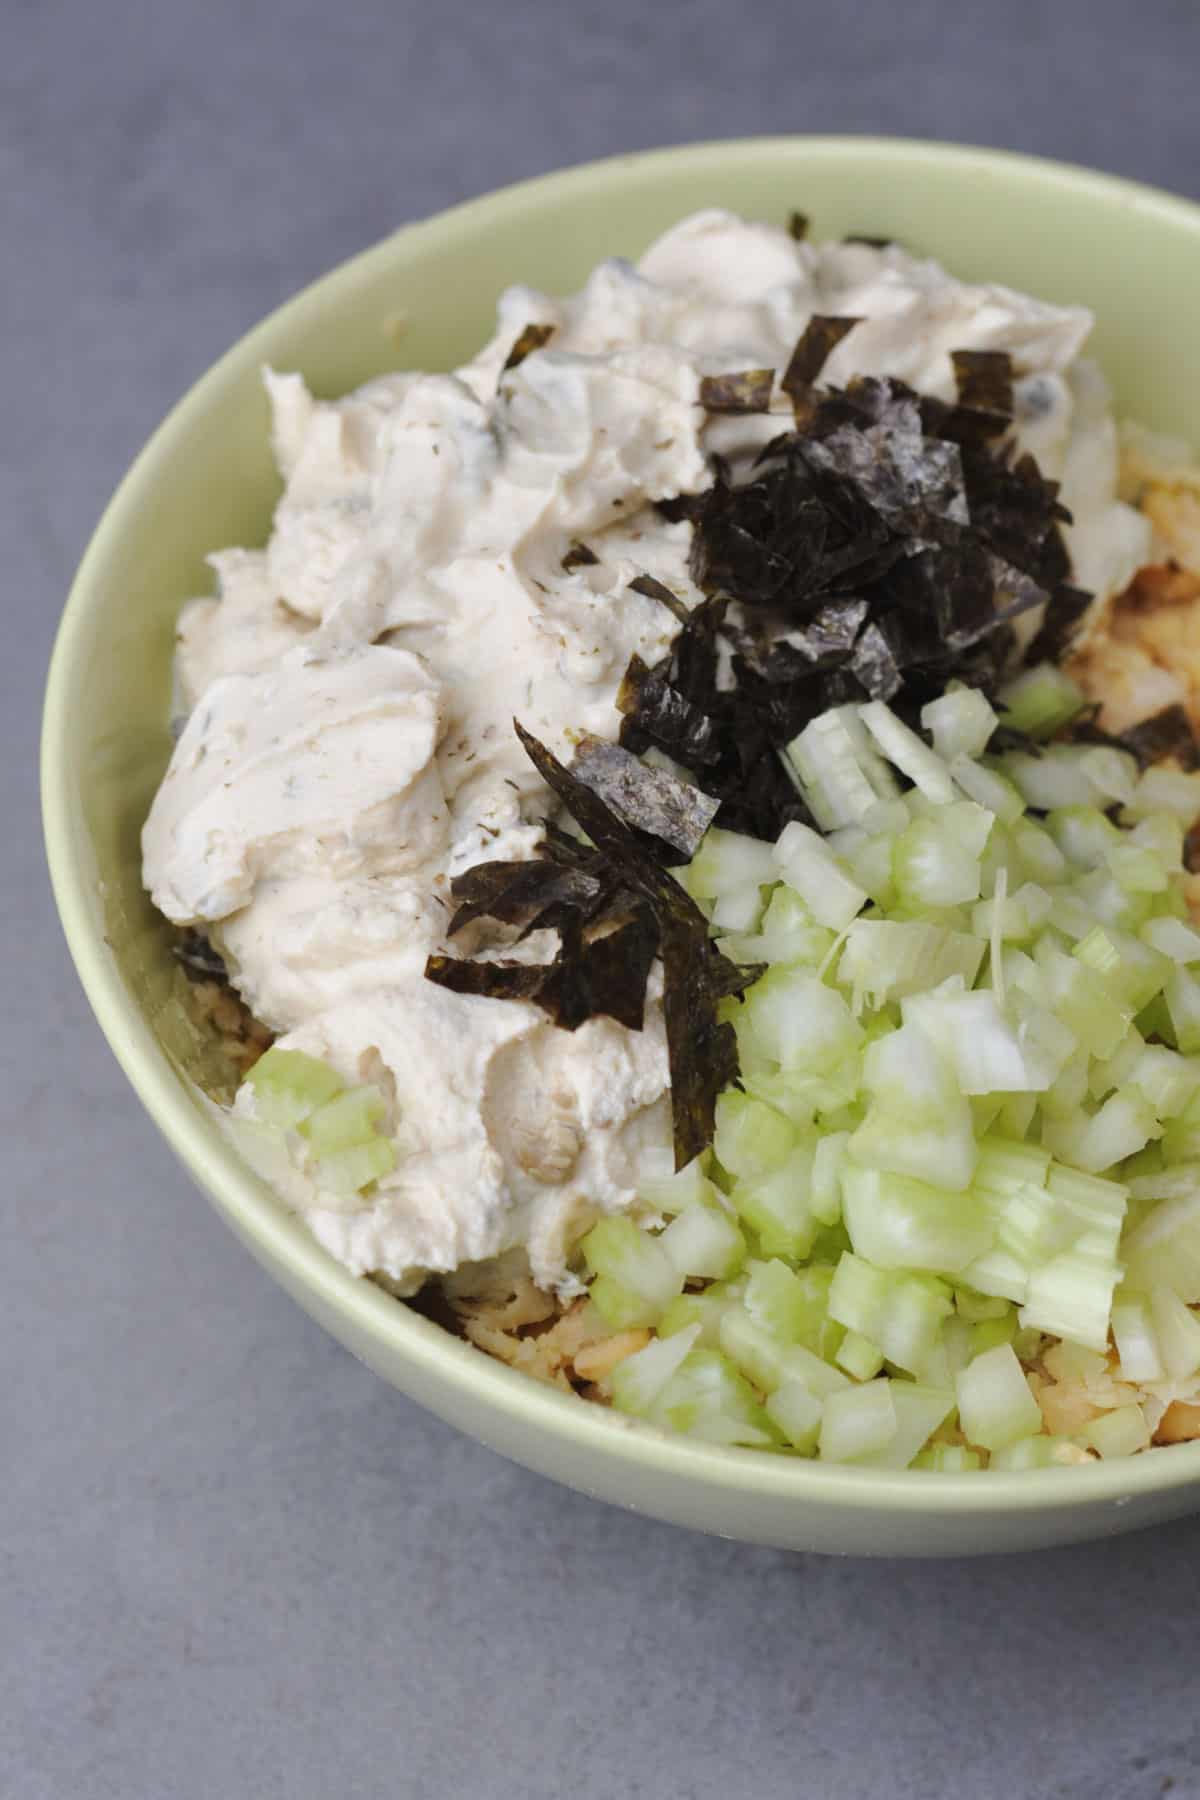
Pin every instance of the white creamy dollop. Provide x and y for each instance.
(351, 689)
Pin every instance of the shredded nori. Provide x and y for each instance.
(1168, 734)
(532, 338)
(882, 548)
(816, 344)
(797, 224)
(654, 589)
(747, 391)
(200, 960)
(578, 556)
(605, 971)
(674, 815)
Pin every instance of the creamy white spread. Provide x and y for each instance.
(350, 691)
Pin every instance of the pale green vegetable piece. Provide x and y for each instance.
(995, 1406)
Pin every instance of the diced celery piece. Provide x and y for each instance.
(1125, 1124)
(778, 1206)
(789, 933)
(638, 1381)
(918, 1123)
(909, 753)
(1051, 780)
(1165, 790)
(1071, 1296)
(989, 788)
(1181, 991)
(1040, 1452)
(1084, 834)
(345, 1121)
(974, 1308)
(1177, 1331)
(751, 1138)
(1139, 871)
(707, 1398)
(1038, 854)
(668, 1190)
(752, 1349)
(738, 910)
(1113, 773)
(995, 1405)
(792, 1017)
(808, 865)
(1135, 1337)
(920, 1411)
(857, 1422)
(961, 721)
(728, 863)
(931, 867)
(1081, 1002)
(1122, 1432)
(349, 1171)
(1171, 937)
(1129, 969)
(832, 778)
(950, 1459)
(1169, 1081)
(1017, 918)
(1163, 1250)
(886, 959)
(901, 1313)
(859, 1356)
(896, 1222)
(784, 1302)
(705, 1310)
(990, 1332)
(288, 1085)
(704, 1242)
(634, 1277)
(1041, 700)
(825, 1198)
(796, 1411)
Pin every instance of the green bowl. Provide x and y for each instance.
(425, 298)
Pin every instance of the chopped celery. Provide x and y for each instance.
(995, 1405)
(751, 1138)
(704, 1242)
(1039, 701)
(901, 1313)
(949, 1459)
(920, 1411)
(778, 1206)
(990, 1332)
(704, 1309)
(857, 1422)
(832, 777)
(859, 1356)
(931, 867)
(796, 1411)
(1039, 1452)
(288, 1085)
(1165, 790)
(896, 1222)
(910, 754)
(1121, 1432)
(1164, 1249)
(886, 959)
(1181, 991)
(637, 1382)
(988, 787)
(670, 1191)
(1171, 937)
(634, 1277)
(961, 721)
(344, 1122)
(350, 1170)
(808, 865)
(1177, 1332)
(707, 1398)
(726, 863)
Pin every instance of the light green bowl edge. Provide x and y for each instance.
(372, 1317)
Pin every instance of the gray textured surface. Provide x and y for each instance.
(232, 1563)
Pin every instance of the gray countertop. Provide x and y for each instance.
(232, 1562)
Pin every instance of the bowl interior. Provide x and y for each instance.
(426, 298)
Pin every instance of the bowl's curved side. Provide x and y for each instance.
(1134, 254)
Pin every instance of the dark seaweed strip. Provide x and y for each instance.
(984, 379)
(1060, 623)
(658, 590)
(532, 338)
(578, 556)
(674, 813)
(747, 391)
(797, 224)
(816, 343)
